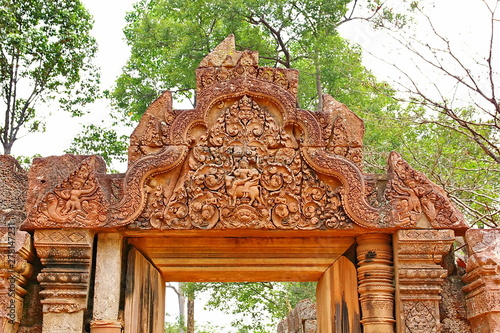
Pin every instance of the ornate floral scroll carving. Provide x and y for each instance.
(411, 193)
(132, 203)
(419, 277)
(244, 174)
(353, 186)
(245, 119)
(78, 201)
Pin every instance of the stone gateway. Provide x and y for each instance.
(244, 187)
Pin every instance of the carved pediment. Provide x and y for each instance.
(411, 195)
(70, 193)
(245, 171)
(246, 158)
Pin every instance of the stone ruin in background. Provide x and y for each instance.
(244, 187)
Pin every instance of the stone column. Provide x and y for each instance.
(419, 276)
(107, 284)
(66, 257)
(483, 280)
(376, 287)
(16, 256)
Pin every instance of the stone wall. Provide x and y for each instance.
(482, 280)
(452, 305)
(18, 286)
(302, 319)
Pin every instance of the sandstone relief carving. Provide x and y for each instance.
(77, 201)
(482, 280)
(410, 193)
(244, 173)
(244, 157)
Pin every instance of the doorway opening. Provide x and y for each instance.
(265, 258)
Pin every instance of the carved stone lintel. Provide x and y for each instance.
(16, 257)
(375, 276)
(419, 276)
(66, 257)
(483, 280)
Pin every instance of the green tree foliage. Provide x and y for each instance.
(45, 52)
(453, 113)
(169, 38)
(459, 166)
(102, 141)
(256, 307)
(176, 328)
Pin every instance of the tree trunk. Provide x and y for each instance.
(319, 86)
(7, 148)
(182, 315)
(190, 315)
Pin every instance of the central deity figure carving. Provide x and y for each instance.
(244, 184)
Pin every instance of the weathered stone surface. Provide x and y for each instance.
(107, 284)
(31, 321)
(483, 280)
(419, 277)
(67, 191)
(66, 257)
(16, 258)
(16, 248)
(225, 55)
(452, 305)
(13, 184)
(302, 319)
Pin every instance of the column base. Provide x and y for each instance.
(105, 326)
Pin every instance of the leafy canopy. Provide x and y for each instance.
(169, 38)
(45, 53)
(257, 306)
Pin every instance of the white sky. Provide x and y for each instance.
(109, 17)
(461, 17)
(458, 16)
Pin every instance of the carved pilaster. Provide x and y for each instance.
(375, 276)
(483, 280)
(16, 256)
(66, 257)
(419, 276)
